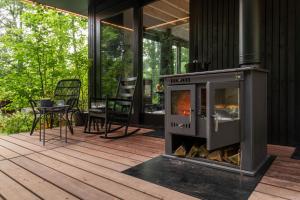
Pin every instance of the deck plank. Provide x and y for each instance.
(87, 145)
(104, 155)
(94, 139)
(138, 184)
(72, 185)
(7, 153)
(278, 191)
(138, 146)
(92, 159)
(285, 173)
(8, 188)
(287, 163)
(124, 141)
(14, 147)
(35, 140)
(282, 151)
(111, 187)
(39, 186)
(261, 196)
(24, 144)
(287, 184)
(114, 151)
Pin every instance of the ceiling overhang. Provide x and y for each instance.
(79, 7)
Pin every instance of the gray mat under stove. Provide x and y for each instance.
(196, 180)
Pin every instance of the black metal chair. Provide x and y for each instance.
(116, 110)
(5, 103)
(36, 114)
(68, 90)
(35, 104)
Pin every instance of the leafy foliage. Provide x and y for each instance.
(38, 47)
(15, 123)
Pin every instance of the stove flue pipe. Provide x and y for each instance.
(250, 32)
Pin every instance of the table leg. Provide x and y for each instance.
(66, 128)
(44, 132)
(40, 127)
(60, 124)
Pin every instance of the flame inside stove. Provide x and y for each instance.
(181, 102)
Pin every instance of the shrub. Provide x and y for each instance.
(15, 123)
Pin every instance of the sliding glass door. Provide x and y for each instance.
(165, 48)
(116, 50)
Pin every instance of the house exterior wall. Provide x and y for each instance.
(280, 61)
(297, 71)
(214, 39)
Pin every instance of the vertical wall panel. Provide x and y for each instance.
(91, 48)
(194, 30)
(236, 33)
(297, 69)
(220, 33)
(205, 31)
(291, 72)
(220, 18)
(268, 60)
(225, 34)
(210, 31)
(280, 60)
(283, 33)
(231, 19)
(217, 32)
(200, 31)
(214, 60)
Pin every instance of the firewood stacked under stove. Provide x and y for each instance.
(230, 154)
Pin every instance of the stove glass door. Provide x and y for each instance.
(180, 106)
(223, 124)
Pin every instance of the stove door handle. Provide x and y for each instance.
(191, 111)
(216, 119)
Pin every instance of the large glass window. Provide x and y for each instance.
(165, 48)
(116, 50)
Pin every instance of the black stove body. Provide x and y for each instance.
(222, 108)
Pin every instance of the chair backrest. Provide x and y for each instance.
(34, 104)
(126, 90)
(69, 91)
(5, 103)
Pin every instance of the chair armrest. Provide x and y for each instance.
(119, 99)
(98, 99)
(33, 104)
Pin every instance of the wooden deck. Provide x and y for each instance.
(88, 167)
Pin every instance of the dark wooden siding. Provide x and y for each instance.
(92, 48)
(280, 60)
(297, 70)
(214, 26)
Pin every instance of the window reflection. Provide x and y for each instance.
(227, 104)
(165, 48)
(116, 50)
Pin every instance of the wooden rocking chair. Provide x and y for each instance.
(117, 110)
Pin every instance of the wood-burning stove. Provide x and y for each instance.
(219, 108)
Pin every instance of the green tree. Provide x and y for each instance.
(40, 47)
